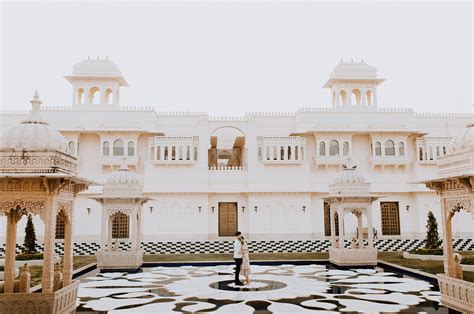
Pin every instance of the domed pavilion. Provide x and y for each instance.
(38, 177)
(350, 194)
(122, 200)
(455, 186)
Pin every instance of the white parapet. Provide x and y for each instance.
(58, 302)
(119, 259)
(353, 257)
(456, 293)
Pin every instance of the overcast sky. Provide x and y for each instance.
(235, 57)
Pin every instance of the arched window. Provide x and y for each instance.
(166, 153)
(401, 149)
(322, 149)
(420, 153)
(158, 153)
(302, 153)
(275, 153)
(342, 97)
(80, 96)
(333, 148)
(289, 153)
(188, 152)
(131, 148)
(267, 152)
(94, 96)
(173, 152)
(431, 153)
(444, 150)
(106, 148)
(378, 149)
(296, 153)
(180, 152)
(345, 149)
(109, 96)
(355, 97)
(259, 153)
(152, 153)
(60, 225)
(368, 96)
(118, 148)
(71, 148)
(195, 153)
(282, 153)
(119, 226)
(389, 148)
(437, 151)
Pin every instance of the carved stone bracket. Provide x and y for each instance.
(36, 207)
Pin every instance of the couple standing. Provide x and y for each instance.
(242, 261)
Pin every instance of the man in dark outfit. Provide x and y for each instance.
(237, 258)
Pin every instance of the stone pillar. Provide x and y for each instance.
(133, 236)
(449, 266)
(57, 278)
(370, 228)
(332, 212)
(340, 216)
(109, 232)
(49, 234)
(103, 233)
(363, 97)
(68, 250)
(9, 267)
(25, 277)
(360, 229)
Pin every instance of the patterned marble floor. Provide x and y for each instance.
(274, 289)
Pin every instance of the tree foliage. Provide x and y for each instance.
(432, 240)
(29, 245)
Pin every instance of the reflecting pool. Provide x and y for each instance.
(282, 288)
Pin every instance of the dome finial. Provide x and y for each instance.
(35, 106)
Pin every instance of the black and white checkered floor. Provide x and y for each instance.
(294, 246)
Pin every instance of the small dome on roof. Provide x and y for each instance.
(464, 140)
(124, 176)
(34, 133)
(98, 67)
(354, 70)
(349, 176)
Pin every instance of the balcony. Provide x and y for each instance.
(327, 161)
(112, 161)
(388, 161)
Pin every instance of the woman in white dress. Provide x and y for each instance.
(245, 268)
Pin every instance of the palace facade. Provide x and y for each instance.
(265, 174)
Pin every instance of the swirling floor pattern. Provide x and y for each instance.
(274, 289)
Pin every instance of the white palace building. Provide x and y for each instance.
(265, 173)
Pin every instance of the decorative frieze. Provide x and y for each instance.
(37, 162)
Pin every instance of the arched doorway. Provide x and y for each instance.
(226, 148)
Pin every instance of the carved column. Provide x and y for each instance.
(332, 212)
(360, 229)
(109, 231)
(340, 216)
(103, 235)
(449, 267)
(48, 256)
(68, 249)
(134, 235)
(370, 229)
(9, 268)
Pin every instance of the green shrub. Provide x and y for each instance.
(29, 245)
(26, 257)
(432, 240)
(423, 251)
(468, 261)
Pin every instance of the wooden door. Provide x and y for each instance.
(390, 218)
(227, 219)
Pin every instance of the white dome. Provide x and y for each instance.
(464, 140)
(123, 176)
(349, 176)
(99, 67)
(354, 70)
(34, 134)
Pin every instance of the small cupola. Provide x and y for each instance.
(353, 84)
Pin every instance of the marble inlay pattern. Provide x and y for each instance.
(275, 289)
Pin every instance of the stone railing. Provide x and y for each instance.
(37, 162)
(456, 293)
(228, 168)
(119, 259)
(353, 257)
(456, 163)
(61, 301)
